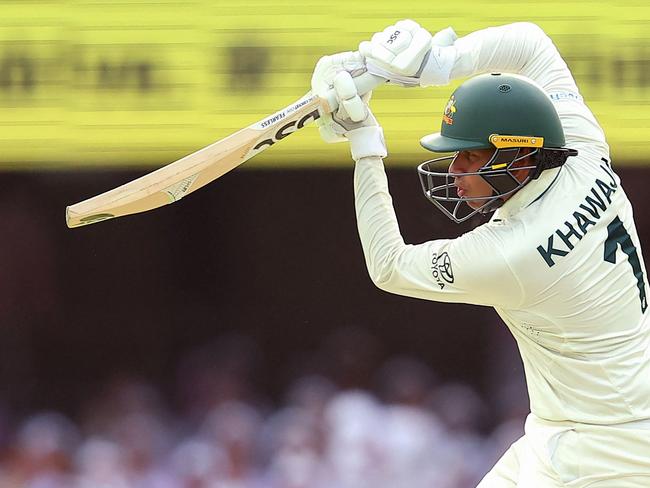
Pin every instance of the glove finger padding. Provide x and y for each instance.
(352, 121)
(321, 83)
(336, 72)
(403, 54)
(408, 61)
(399, 48)
(408, 25)
(328, 66)
(349, 99)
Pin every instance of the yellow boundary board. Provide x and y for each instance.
(97, 83)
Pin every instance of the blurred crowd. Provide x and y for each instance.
(404, 429)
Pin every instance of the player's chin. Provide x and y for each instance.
(474, 204)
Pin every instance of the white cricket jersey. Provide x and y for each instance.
(560, 261)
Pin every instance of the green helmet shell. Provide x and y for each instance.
(495, 103)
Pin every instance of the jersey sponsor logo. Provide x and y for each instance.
(586, 215)
(450, 110)
(441, 269)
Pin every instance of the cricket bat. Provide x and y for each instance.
(174, 181)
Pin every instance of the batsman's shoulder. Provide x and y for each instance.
(487, 241)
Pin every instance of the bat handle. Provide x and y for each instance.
(364, 83)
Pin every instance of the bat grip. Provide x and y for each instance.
(364, 83)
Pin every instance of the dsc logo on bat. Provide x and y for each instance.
(287, 129)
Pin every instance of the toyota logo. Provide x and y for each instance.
(444, 265)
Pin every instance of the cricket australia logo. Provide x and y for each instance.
(450, 110)
(441, 269)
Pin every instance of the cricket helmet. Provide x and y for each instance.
(503, 112)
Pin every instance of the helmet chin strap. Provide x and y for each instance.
(492, 205)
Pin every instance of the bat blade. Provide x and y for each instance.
(186, 175)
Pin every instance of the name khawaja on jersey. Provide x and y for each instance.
(595, 203)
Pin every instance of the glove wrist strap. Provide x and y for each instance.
(366, 142)
(438, 65)
(393, 78)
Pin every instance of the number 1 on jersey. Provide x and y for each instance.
(618, 235)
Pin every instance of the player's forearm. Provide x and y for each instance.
(379, 232)
(521, 48)
(446, 270)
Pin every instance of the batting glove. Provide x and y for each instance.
(352, 121)
(408, 55)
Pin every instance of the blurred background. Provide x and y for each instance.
(235, 339)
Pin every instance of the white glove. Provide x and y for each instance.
(352, 121)
(408, 55)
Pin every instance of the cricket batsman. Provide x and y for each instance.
(559, 259)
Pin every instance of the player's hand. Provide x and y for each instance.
(353, 120)
(408, 55)
(336, 73)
